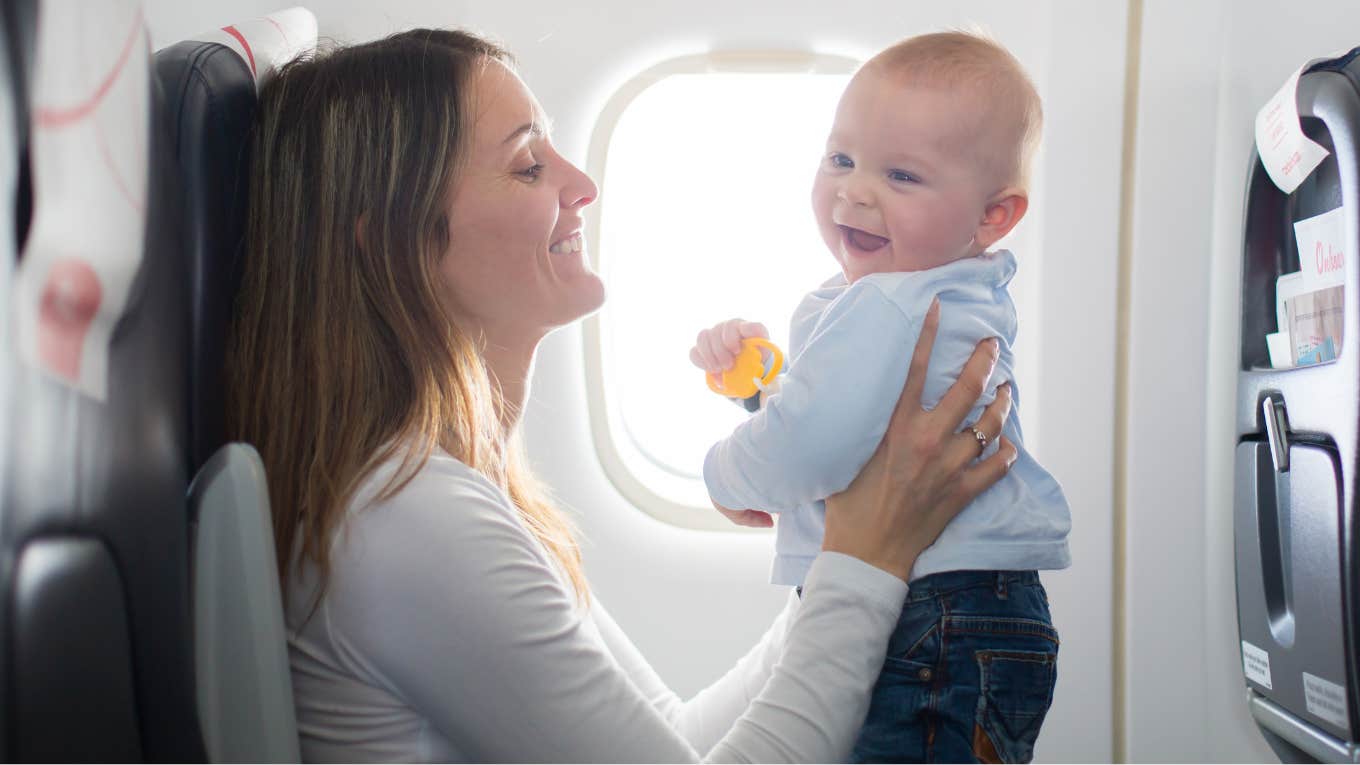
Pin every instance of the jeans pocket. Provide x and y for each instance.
(1016, 692)
(913, 653)
(896, 728)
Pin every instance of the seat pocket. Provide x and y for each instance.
(1015, 694)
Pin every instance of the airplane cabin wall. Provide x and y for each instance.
(1168, 640)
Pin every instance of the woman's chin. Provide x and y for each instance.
(593, 300)
(586, 295)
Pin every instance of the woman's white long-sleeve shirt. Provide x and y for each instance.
(447, 634)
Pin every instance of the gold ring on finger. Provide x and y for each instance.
(980, 436)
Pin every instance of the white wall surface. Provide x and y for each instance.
(694, 600)
(1165, 684)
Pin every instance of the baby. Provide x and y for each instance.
(927, 166)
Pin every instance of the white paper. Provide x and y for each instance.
(90, 124)
(1287, 286)
(1322, 259)
(1280, 350)
(1256, 665)
(1287, 154)
(1325, 699)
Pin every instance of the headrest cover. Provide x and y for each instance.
(267, 43)
(90, 121)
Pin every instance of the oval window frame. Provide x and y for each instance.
(625, 464)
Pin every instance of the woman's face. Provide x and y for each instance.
(516, 264)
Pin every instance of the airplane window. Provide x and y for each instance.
(704, 215)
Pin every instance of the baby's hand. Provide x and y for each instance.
(757, 519)
(717, 347)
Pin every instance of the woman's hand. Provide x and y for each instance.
(922, 474)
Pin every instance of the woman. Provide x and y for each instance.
(413, 236)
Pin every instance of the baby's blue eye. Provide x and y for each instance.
(840, 160)
(902, 176)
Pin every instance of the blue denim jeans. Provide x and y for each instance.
(969, 675)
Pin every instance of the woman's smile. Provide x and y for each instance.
(572, 243)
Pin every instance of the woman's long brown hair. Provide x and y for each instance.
(343, 355)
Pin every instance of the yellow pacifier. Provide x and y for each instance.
(747, 375)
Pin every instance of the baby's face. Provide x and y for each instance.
(898, 189)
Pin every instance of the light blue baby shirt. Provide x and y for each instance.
(850, 347)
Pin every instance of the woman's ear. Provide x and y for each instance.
(1003, 211)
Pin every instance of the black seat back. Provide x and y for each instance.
(210, 86)
(211, 100)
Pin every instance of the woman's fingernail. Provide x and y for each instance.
(1012, 453)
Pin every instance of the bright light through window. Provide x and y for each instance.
(705, 216)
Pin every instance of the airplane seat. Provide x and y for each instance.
(95, 650)
(1297, 470)
(244, 690)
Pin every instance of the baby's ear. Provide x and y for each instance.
(1003, 211)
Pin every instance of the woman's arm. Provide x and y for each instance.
(709, 714)
(795, 697)
(443, 600)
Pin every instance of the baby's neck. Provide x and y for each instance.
(851, 278)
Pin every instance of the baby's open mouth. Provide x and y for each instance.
(862, 241)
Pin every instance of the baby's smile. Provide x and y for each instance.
(859, 242)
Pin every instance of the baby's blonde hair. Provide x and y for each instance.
(971, 60)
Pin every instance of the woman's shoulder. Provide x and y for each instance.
(415, 571)
(444, 506)
(436, 481)
(447, 524)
